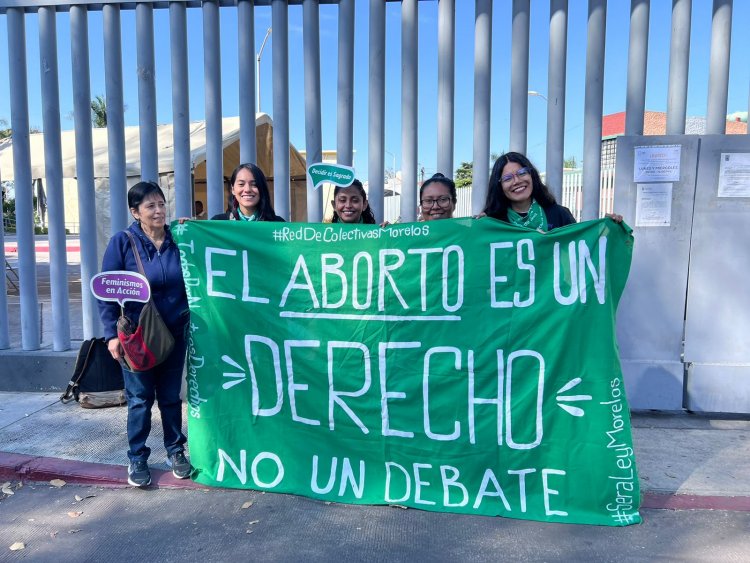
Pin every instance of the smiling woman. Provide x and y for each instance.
(251, 200)
(517, 195)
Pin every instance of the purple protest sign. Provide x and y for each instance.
(120, 286)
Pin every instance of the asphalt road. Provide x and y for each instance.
(164, 525)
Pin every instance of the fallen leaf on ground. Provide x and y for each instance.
(248, 504)
(7, 491)
(17, 546)
(248, 531)
(78, 498)
(53, 534)
(6, 484)
(57, 483)
(75, 514)
(74, 531)
(253, 522)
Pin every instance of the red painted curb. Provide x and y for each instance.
(38, 469)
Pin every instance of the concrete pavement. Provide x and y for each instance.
(684, 461)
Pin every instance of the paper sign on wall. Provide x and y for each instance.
(660, 163)
(653, 205)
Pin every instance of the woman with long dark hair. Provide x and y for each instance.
(517, 195)
(250, 198)
(350, 205)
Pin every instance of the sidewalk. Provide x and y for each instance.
(684, 461)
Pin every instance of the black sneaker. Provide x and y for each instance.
(181, 467)
(138, 474)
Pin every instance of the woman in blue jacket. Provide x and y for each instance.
(161, 264)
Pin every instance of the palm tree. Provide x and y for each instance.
(99, 112)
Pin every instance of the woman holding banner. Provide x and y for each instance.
(517, 195)
(350, 205)
(160, 259)
(251, 200)
(437, 198)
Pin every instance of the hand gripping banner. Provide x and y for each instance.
(461, 365)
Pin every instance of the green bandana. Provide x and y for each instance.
(253, 217)
(534, 219)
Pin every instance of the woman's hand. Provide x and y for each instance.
(384, 224)
(615, 217)
(479, 215)
(114, 347)
(182, 220)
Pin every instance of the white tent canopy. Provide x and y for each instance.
(230, 142)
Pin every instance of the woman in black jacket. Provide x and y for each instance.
(517, 195)
(251, 200)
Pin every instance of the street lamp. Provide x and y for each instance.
(257, 69)
(539, 94)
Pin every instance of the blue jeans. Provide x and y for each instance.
(162, 383)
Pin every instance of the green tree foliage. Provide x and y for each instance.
(464, 174)
(5, 131)
(570, 162)
(99, 111)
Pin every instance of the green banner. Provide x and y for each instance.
(464, 365)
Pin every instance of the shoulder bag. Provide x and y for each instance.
(150, 342)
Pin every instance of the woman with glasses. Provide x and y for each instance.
(437, 198)
(517, 195)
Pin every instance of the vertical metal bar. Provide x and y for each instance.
(592, 119)
(19, 122)
(679, 63)
(144, 34)
(519, 76)
(313, 134)
(718, 77)
(180, 110)
(280, 58)
(246, 45)
(558, 46)
(376, 108)
(4, 318)
(79, 51)
(345, 112)
(212, 87)
(446, 85)
(58, 263)
(482, 90)
(635, 104)
(409, 105)
(118, 184)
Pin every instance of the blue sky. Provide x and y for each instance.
(614, 84)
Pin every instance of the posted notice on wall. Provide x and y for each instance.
(660, 163)
(734, 175)
(653, 205)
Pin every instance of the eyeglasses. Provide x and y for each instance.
(442, 201)
(520, 173)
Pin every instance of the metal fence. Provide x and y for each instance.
(518, 11)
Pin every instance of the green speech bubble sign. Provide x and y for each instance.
(336, 174)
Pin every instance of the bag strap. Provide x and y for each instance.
(68, 396)
(135, 252)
